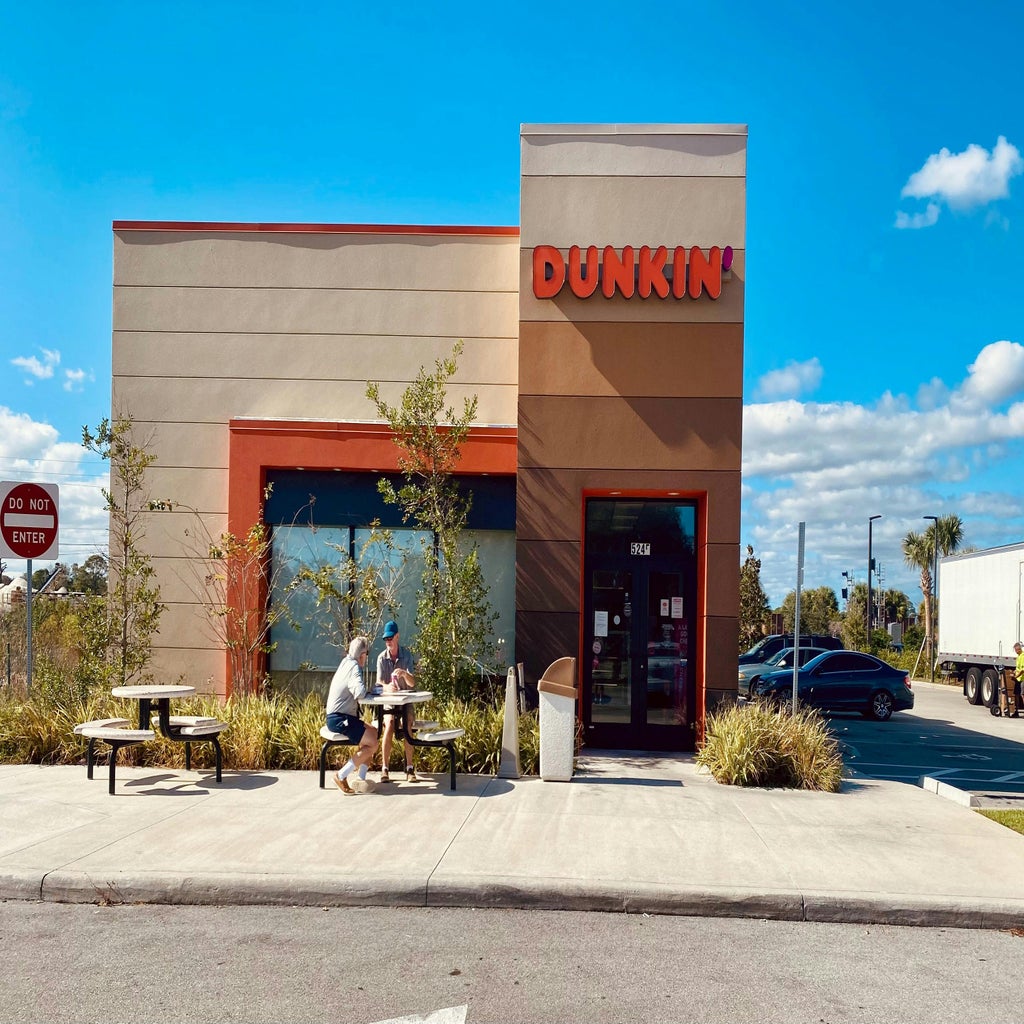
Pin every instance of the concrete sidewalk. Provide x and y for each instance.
(630, 833)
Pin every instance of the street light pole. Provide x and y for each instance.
(935, 587)
(871, 523)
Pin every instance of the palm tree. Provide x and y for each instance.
(919, 552)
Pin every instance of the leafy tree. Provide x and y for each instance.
(754, 607)
(454, 620)
(90, 577)
(896, 605)
(819, 609)
(919, 551)
(119, 628)
(854, 620)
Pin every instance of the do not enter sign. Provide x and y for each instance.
(28, 520)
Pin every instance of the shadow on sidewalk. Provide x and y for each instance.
(203, 786)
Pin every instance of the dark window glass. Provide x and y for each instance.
(352, 499)
(668, 526)
(847, 661)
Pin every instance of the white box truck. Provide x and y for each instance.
(980, 596)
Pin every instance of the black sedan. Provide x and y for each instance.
(843, 681)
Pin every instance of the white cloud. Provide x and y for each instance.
(832, 464)
(40, 369)
(971, 178)
(791, 381)
(995, 376)
(34, 452)
(918, 220)
(74, 380)
(962, 181)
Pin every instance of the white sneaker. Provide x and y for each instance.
(362, 785)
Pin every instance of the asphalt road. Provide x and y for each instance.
(944, 737)
(279, 964)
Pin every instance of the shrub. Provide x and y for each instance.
(756, 745)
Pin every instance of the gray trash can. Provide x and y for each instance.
(556, 693)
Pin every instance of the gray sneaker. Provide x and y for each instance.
(362, 785)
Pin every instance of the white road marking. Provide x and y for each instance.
(451, 1015)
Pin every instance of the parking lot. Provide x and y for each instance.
(943, 737)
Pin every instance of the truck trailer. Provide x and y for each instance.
(980, 619)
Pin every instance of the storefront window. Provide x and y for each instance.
(313, 646)
(308, 639)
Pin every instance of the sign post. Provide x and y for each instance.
(796, 623)
(29, 521)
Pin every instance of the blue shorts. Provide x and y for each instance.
(351, 727)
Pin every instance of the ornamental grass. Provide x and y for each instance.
(271, 732)
(757, 745)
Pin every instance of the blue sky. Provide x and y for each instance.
(884, 365)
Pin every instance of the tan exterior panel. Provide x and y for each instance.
(335, 356)
(549, 502)
(723, 562)
(547, 576)
(721, 652)
(544, 636)
(205, 490)
(448, 315)
(728, 308)
(181, 445)
(617, 359)
(653, 433)
(700, 155)
(191, 621)
(634, 211)
(179, 581)
(213, 400)
(179, 534)
(198, 667)
(316, 260)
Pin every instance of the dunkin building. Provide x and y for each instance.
(603, 339)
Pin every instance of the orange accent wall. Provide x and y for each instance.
(256, 446)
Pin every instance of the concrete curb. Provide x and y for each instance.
(514, 894)
(948, 792)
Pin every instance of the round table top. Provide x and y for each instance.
(397, 699)
(153, 692)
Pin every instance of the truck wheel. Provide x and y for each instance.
(989, 687)
(972, 686)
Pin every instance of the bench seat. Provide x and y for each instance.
(102, 723)
(117, 733)
(440, 738)
(420, 725)
(193, 720)
(206, 728)
(330, 739)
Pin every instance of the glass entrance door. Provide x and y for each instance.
(639, 619)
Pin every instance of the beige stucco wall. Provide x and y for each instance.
(211, 324)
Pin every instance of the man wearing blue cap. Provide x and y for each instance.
(394, 666)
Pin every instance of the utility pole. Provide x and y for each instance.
(871, 566)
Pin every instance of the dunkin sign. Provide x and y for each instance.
(661, 273)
